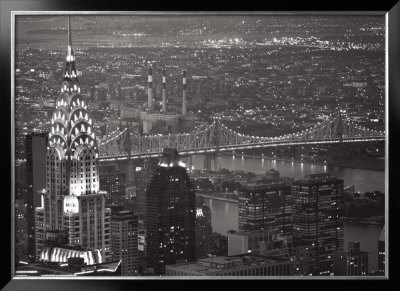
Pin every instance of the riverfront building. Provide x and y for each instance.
(171, 216)
(317, 224)
(266, 207)
(72, 211)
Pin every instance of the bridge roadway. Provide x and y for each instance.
(224, 148)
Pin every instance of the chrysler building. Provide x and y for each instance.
(72, 220)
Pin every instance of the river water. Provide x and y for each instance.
(363, 180)
(224, 215)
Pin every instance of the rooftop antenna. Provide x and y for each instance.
(69, 29)
(69, 40)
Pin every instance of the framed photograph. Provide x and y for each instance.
(186, 145)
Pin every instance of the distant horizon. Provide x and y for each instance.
(51, 30)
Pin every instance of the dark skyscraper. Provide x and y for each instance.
(266, 207)
(317, 224)
(170, 219)
(35, 150)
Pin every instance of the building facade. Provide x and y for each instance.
(21, 230)
(124, 234)
(266, 207)
(72, 204)
(317, 224)
(263, 242)
(114, 183)
(170, 220)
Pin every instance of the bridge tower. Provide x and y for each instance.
(336, 131)
(339, 129)
(214, 157)
(131, 163)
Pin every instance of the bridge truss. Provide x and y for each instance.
(216, 136)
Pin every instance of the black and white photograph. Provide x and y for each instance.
(200, 145)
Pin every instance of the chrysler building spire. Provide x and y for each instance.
(71, 83)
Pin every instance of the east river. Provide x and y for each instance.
(225, 214)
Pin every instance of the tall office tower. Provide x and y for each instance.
(72, 207)
(114, 183)
(150, 88)
(381, 253)
(266, 207)
(35, 151)
(352, 262)
(164, 92)
(124, 236)
(317, 223)
(184, 101)
(171, 216)
(203, 232)
(143, 177)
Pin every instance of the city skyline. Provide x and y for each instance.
(125, 117)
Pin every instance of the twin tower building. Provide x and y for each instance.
(73, 220)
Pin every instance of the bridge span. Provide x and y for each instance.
(217, 137)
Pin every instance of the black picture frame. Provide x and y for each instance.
(393, 9)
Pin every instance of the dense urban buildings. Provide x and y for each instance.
(171, 214)
(72, 211)
(317, 219)
(179, 82)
